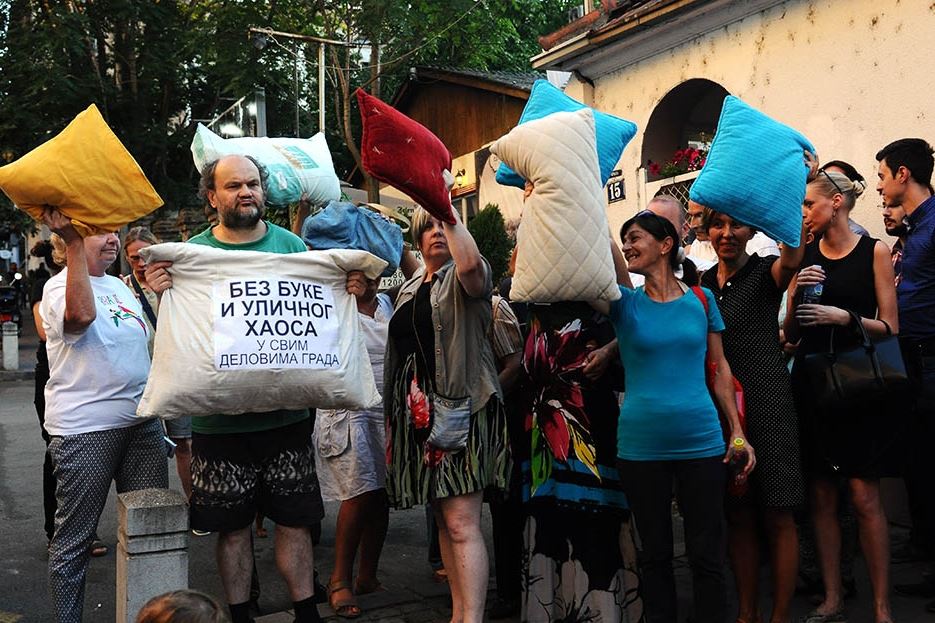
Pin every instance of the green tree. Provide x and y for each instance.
(489, 232)
(473, 34)
(153, 68)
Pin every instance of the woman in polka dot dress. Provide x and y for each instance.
(749, 290)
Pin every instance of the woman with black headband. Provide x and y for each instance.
(857, 285)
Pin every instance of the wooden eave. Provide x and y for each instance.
(455, 78)
(644, 33)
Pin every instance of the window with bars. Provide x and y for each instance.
(678, 187)
(679, 190)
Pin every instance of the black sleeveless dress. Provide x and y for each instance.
(749, 304)
(856, 443)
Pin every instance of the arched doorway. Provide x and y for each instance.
(685, 118)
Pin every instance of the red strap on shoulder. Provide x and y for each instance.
(701, 297)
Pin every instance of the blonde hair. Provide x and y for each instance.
(421, 220)
(58, 250)
(140, 232)
(831, 183)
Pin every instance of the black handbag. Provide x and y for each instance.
(871, 371)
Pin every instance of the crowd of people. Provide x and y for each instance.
(578, 422)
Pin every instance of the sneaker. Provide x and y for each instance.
(832, 617)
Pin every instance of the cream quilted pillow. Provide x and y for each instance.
(563, 241)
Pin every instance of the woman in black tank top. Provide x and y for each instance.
(856, 274)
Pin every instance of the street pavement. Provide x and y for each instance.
(411, 595)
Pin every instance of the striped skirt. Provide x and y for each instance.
(417, 475)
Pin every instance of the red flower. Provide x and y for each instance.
(555, 429)
(418, 405)
(553, 361)
(654, 168)
(433, 456)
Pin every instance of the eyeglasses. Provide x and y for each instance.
(833, 183)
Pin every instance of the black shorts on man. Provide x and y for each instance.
(237, 475)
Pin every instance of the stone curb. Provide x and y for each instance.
(12, 376)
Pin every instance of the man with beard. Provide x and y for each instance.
(905, 182)
(894, 221)
(254, 462)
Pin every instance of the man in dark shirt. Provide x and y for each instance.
(905, 176)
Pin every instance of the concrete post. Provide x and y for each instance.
(152, 548)
(10, 346)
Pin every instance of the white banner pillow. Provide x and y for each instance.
(244, 331)
(297, 166)
(563, 241)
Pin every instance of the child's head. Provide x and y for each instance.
(182, 607)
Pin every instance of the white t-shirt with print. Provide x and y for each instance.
(96, 377)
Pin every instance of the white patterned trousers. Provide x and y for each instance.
(84, 466)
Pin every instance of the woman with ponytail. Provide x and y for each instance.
(668, 429)
(856, 445)
(859, 185)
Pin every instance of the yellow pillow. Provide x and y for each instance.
(86, 173)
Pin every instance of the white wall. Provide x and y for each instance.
(852, 75)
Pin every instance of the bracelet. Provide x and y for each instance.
(889, 329)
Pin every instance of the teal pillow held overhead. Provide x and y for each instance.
(613, 133)
(755, 172)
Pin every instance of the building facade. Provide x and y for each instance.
(852, 75)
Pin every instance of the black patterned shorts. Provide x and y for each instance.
(237, 475)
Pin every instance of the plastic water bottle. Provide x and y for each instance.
(737, 483)
(812, 294)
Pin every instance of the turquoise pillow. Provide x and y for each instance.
(613, 133)
(755, 172)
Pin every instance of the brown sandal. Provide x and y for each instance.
(344, 608)
(98, 549)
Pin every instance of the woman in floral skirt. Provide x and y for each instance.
(447, 434)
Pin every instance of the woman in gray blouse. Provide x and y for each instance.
(447, 429)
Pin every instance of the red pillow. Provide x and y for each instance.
(406, 155)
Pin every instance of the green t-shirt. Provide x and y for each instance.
(276, 240)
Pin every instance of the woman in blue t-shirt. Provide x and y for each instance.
(668, 431)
